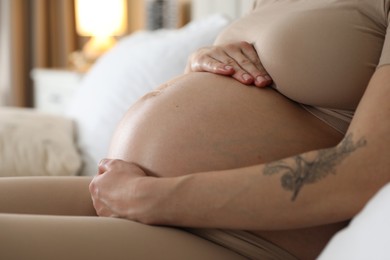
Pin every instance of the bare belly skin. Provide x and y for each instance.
(203, 122)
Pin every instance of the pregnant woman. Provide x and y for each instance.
(248, 168)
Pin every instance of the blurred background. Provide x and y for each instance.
(70, 69)
(68, 35)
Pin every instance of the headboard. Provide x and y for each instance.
(232, 8)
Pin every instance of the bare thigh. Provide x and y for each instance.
(69, 237)
(46, 195)
(56, 220)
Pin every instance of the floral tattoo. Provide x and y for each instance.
(303, 171)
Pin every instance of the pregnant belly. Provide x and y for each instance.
(202, 122)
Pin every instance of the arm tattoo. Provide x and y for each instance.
(304, 171)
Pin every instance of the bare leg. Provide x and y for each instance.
(46, 195)
(78, 234)
(79, 238)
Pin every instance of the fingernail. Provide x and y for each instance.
(246, 77)
(260, 79)
(102, 161)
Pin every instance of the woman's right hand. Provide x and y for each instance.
(238, 60)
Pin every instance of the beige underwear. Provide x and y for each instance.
(336, 118)
(245, 244)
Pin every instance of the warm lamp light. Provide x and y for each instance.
(101, 20)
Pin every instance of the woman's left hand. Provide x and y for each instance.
(238, 60)
(114, 190)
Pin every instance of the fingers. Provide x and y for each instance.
(99, 191)
(117, 166)
(102, 166)
(213, 65)
(249, 62)
(106, 164)
(208, 59)
(113, 188)
(101, 207)
(239, 60)
(246, 62)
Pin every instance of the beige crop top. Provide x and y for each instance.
(320, 53)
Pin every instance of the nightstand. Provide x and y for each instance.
(54, 88)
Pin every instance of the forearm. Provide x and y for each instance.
(314, 188)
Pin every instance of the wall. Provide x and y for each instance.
(232, 8)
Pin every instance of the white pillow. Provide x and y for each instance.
(136, 65)
(368, 234)
(32, 144)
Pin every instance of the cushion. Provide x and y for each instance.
(137, 64)
(368, 234)
(32, 143)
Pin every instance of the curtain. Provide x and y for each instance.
(41, 34)
(4, 53)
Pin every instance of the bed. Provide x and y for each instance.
(40, 144)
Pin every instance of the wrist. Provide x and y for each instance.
(180, 201)
(156, 199)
